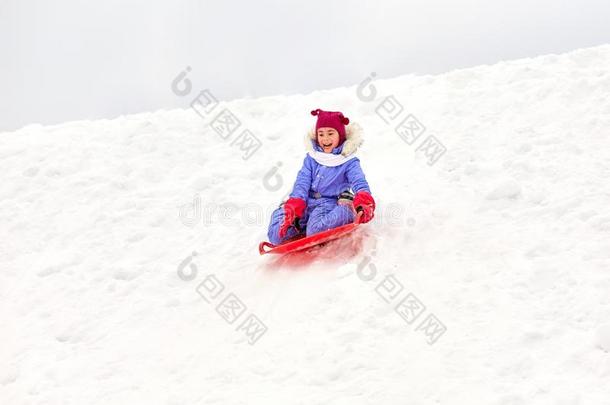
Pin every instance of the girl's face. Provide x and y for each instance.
(328, 139)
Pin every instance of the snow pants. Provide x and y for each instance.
(320, 215)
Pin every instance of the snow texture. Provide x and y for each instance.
(484, 278)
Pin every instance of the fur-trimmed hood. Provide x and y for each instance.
(353, 140)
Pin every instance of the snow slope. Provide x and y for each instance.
(505, 240)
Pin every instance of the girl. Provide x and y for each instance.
(321, 198)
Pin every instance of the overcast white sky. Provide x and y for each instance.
(67, 59)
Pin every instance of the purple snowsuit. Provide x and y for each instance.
(319, 186)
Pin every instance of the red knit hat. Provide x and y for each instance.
(331, 119)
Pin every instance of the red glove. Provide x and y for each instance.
(364, 202)
(293, 208)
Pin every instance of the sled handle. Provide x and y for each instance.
(263, 245)
(359, 215)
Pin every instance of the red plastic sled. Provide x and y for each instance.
(306, 242)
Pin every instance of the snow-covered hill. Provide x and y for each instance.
(484, 279)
